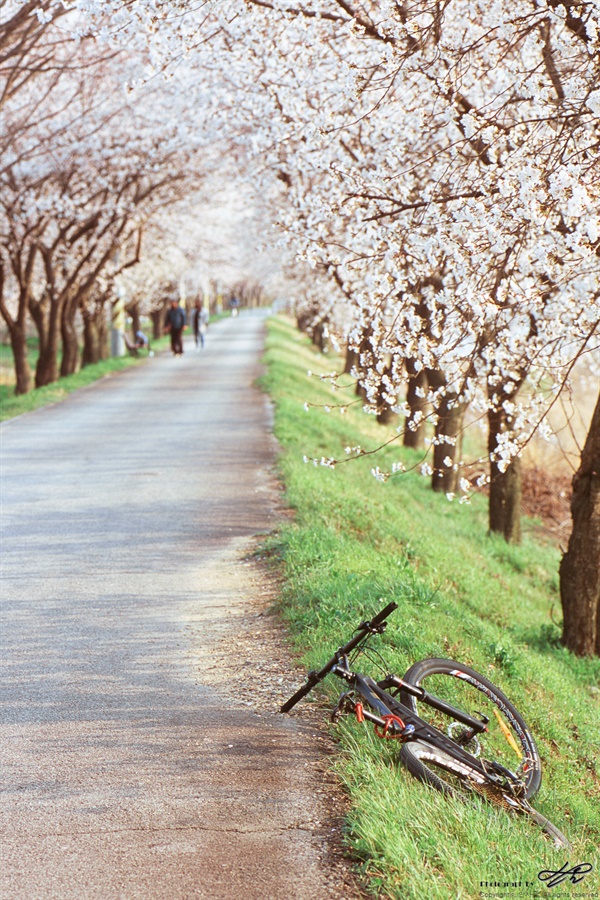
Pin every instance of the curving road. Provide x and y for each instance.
(125, 510)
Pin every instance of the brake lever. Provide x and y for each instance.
(366, 626)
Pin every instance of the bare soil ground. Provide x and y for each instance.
(547, 496)
(256, 648)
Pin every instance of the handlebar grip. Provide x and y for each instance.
(385, 612)
(302, 692)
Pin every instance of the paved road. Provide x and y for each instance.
(125, 510)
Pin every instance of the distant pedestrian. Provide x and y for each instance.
(234, 305)
(142, 342)
(175, 322)
(199, 324)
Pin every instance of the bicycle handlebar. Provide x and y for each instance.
(382, 616)
(304, 690)
(314, 677)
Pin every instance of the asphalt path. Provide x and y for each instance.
(125, 512)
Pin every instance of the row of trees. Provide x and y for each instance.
(90, 166)
(436, 169)
(442, 175)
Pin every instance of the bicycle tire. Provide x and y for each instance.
(421, 758)
(412, 755)
(459, 778)
(465, 688)
(560, 840)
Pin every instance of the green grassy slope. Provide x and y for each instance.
(354, 544)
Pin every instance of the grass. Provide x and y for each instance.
(355, 544)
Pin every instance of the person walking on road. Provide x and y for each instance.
(199, 324)
(175, 322)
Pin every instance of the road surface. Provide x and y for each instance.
(126, 510)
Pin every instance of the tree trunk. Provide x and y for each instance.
(305, 319)
(448, 432)
(157, 316)
(18, 337)
(505, 487)
(414, 428)
(39, 314)
(386, 415)
(363, 358)
(17, 326)
(513, 501)
(70, 339)
(91, 347)
(95, 334)
(101, 318)
(134, 312)
(580, 566)
(351, 360)
(319, 336)
(48, 330)
(18, 342)
(95, 331)
(385, 412)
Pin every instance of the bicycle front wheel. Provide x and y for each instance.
(438, 769)
(453, 776)
(507, 739)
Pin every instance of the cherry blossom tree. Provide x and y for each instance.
(455, 195)
(80, 180)
(463, 212)
(28, 52)
(440, 164)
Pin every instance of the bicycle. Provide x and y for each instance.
(477, 753)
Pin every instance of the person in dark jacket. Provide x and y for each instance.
(175, 322)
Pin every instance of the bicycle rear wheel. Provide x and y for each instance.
(507, 740)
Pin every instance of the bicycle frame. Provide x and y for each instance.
(375, 695)
(394, 719)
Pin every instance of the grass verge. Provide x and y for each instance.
(354, 544)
